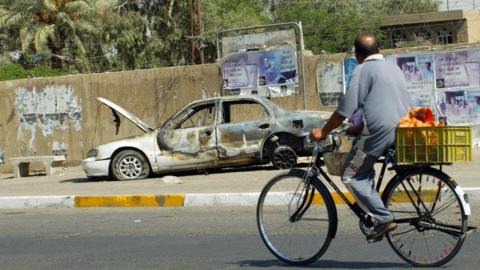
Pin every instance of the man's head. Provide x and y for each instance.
(365, 45)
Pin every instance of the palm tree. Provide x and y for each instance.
(55, 25)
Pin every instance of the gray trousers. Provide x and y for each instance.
(358, 176)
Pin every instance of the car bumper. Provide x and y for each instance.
(94, 167)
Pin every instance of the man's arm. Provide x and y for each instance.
(321, 133)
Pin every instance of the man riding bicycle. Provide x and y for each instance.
(377, 93)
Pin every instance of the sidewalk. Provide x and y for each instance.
(234, 186)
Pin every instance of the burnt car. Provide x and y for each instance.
(209, 133)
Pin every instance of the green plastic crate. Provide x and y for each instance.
(433, 144)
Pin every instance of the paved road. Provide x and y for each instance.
(176, 238)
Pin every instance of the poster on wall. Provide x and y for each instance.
(277, 70)
(270, 72)
(457, 69)
(239, 70)
(473, 100)
(417, 70)
(329, 83)
(422, 98)
(348, 65)
(461, 107)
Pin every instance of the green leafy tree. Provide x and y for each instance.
(146, 33)
(398, 7)
(328, 26)
(218, 15)
(53, 26)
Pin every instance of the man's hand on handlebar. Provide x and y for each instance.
(317, 134)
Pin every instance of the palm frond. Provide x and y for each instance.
(48, 6)
(11, 19)
(85, 27)
(77, 8)
(63, 20)
(42, 34)
(25, 38)
(79, 44)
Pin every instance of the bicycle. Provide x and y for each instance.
(297, 216)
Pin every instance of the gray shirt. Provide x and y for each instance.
(376, 87)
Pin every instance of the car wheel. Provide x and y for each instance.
(284, 157)
(130, 165)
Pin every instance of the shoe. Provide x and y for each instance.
(384, 228)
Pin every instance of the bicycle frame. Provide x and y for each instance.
(316, 169)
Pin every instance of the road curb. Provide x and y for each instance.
(156, 200)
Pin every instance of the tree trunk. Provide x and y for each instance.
(57, 50)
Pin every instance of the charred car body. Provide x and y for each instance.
(216, 132)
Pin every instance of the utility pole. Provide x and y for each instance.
(197, 29)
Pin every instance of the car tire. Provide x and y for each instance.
(130, 165)
(283, 157)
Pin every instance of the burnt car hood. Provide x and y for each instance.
(117, 109)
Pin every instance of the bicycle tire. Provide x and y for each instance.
(408, 196)
(295, 243)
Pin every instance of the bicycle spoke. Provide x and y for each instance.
(404, 232)
(420, 201)
(437, 196)
(411, 199)
(444, 207)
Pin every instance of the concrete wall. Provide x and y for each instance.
(45, 116)
(473, 24)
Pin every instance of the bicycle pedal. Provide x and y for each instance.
(372, 240)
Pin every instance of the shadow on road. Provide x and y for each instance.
(324, 264)
(186, 173)
(85, 180)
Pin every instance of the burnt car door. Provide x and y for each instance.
(188, 138)
(241, 130)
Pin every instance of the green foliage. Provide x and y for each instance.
(327, 26)
(218, 15)
(397, 7)
(49, 25)
(16, 71)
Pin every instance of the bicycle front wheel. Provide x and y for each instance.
(431, 218)
(296, 220)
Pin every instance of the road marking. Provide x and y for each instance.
(143, 200)
(36, 202)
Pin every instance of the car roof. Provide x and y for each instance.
(230, 98)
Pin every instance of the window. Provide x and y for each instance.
(397, 37)
(444, 37)
(244, 110)
(196, 116)
(423, 35)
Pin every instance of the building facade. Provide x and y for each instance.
(446, 27)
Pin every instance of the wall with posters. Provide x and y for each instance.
(447, 79)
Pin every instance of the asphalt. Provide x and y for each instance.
(231, 186)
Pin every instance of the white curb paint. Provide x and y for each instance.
(200, 199)
(37, 202)
(225, 199)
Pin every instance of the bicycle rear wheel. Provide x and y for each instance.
(293, 237)
(431, 218)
